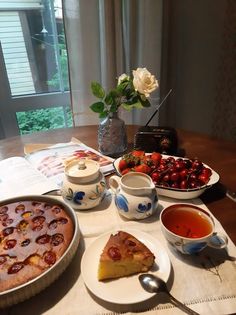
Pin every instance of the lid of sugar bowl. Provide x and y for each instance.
(82, 171)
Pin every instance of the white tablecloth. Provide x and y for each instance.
(205, 282)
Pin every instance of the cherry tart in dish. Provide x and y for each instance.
(33, 237)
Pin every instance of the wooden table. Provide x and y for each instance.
(218, 154)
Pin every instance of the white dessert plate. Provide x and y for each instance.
(179, 193)
(125, 290)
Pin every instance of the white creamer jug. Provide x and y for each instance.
(135, 195)
(84, 185)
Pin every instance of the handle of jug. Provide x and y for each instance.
(114, 183)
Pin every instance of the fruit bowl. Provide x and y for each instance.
(178, 193)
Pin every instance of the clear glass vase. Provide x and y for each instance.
(112, 138)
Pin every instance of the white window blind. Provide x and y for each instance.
(20, 4)
(15, 54)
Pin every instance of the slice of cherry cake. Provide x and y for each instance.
(124, 255)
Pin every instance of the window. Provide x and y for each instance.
(33, 67)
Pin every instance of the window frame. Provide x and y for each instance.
(9, 104)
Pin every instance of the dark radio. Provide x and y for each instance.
(160, 139)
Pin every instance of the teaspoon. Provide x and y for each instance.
(153, 284)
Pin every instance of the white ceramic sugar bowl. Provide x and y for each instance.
(84, 185)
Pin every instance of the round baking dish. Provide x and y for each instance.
(39, 283)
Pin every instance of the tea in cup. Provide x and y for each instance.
(190, 229)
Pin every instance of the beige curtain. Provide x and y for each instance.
(106, 38)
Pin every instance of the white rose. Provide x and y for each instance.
(144, 82)
(122, 77)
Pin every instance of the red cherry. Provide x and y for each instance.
(175, 185)
(162, 167)
(179, 165)
(183, 184)
(184, 173)
(172, 168)
(163, 162)
(193, 176)
(174, 177)
(170, 159)
(114, 253)
(155, 177)
(204, 178)
(197, 165)
(194, 184)
(187, 163)
(206, 171)
(166, 177)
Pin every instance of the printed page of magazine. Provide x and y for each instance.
(18, 177)
(51, 161)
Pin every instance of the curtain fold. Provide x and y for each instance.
(111, 42)
(106, 38)
(225, 99)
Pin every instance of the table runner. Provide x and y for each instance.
(205, 282)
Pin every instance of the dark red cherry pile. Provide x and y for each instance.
(181, 173)
(178, 173)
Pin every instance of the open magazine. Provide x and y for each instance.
(42, 170)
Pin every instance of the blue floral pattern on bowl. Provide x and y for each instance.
(81, 198)
(78, 197)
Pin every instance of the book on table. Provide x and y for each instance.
(42, 170)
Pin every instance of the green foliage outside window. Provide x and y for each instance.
(44, 119)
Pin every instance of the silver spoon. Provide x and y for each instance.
(153, 284)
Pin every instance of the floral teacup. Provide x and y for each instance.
(189, 228)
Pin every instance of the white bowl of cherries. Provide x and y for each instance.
(174, 177)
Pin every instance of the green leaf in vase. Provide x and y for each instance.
(97, 107)
(97, 90)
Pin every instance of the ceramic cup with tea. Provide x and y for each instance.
(189, 228)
